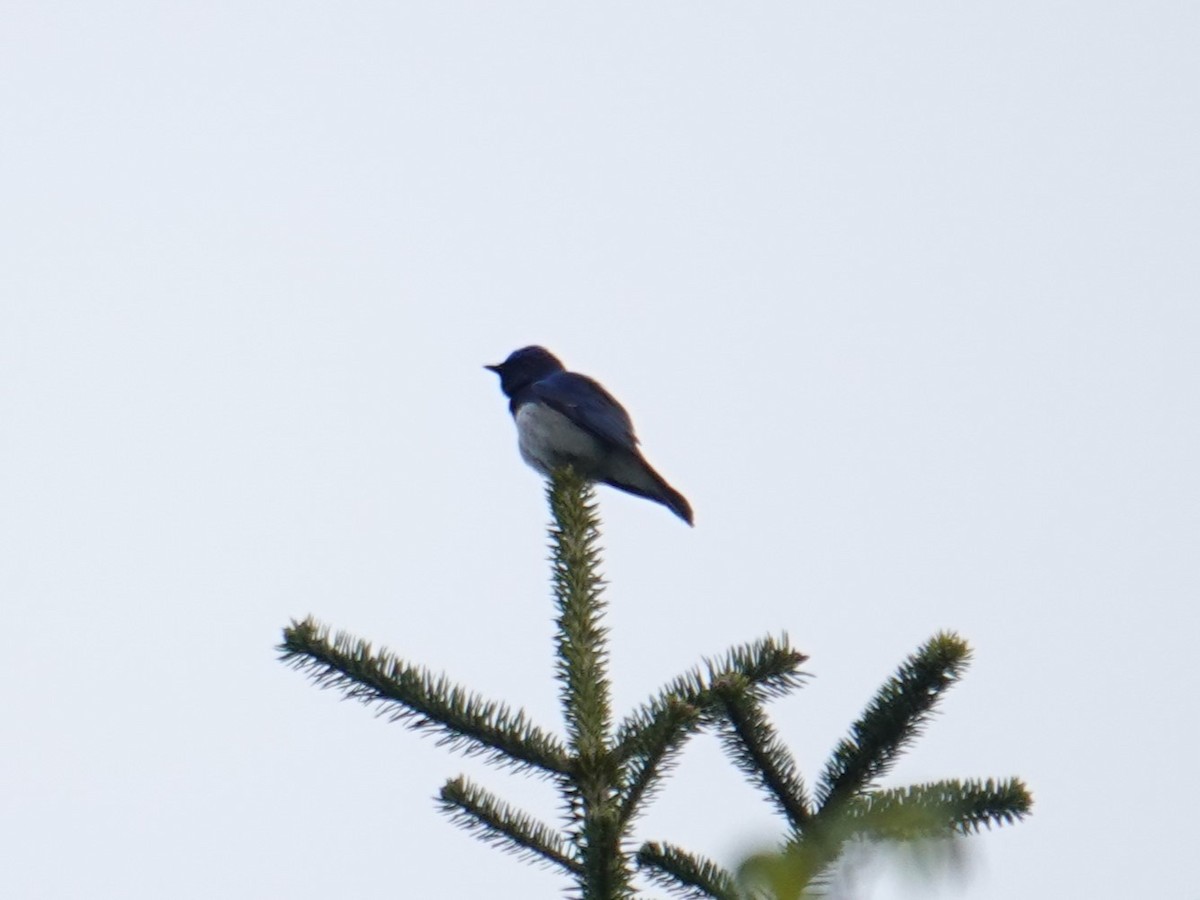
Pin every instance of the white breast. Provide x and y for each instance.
(548, 440)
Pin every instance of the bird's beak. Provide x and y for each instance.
(495, 368)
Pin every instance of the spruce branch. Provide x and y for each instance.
(910, 815)
(578, 593)
(498, 823)
(591, 792)
(755, 747)
(767, 668)
(650, 739)
(404, 692)
(770, 667)
(686, 873)
(939, 808)
(893, 719)
(658, 750)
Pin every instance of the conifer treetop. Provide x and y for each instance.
(607, 771)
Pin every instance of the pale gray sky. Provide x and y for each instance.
(902, 296)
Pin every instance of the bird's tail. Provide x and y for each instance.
(635, 475)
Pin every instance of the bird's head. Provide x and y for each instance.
(525, 366)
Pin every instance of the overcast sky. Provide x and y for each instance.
(901, 296)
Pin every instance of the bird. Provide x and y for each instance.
(567, 419)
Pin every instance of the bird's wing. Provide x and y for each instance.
(588, 405)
